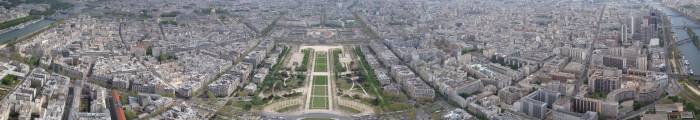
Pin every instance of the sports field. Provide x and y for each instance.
(321, 63)
(319, 92)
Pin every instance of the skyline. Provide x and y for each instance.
(349, 59)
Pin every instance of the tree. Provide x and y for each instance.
(674, 98)
(162, 58)
(464, 95)
(284, 74)
(399, 106)
(638, 105)
(394, 96)
(34, 60)
(124, 99)
(242, 93)
(34, 115)
(247, 107)
(256, 100)
(14, 114)
(166, 22)
(8, 80)
(271, 96)
(690, 107)
(129, 114)
(230, 102)
(17, 21)
(149, 51)
(356, 96)
(375, 101)
(361, 79)
(211, 96)
(170, 14)
(34, 85)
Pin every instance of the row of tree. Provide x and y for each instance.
(336, 61)
(371, 82)
(170, 14)
(304, 63)
(17, 21)
(167, 22)
(693, 37)
(55, 5)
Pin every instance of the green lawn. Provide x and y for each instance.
(343, 84)
(320, 80)
(321, 64)
(321, 60)
(293, 107)
(319, 99)
(3, 93)
(348, 109)
(319, 103)
(10, 81)
(320, 90)
(321, 68)
(241, 104)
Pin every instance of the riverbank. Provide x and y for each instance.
(28, 29)
(20, 26)
(693, 37)
(11, 43)
(18, 22)
(679, 25)
(690, 16)
(663, 35)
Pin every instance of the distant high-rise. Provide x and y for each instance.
(631, 25)
(622, 34)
